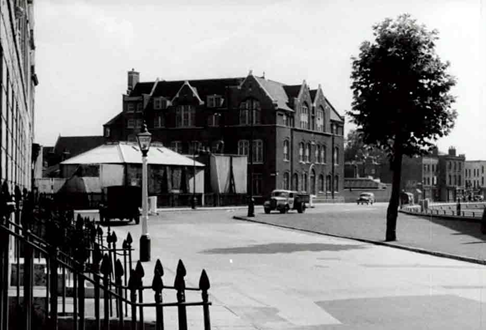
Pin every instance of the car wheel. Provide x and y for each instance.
(267, 210)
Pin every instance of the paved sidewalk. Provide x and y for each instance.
(263, 277)
(450, 238)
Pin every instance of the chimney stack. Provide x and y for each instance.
(452, 151)
(133, 79)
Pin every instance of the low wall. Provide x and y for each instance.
(381, 195)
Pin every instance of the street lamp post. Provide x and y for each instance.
(144, 138)
(194, 198)
(251, 202)
(333, 127)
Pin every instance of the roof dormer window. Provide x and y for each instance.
(214, 101)
(157, 103)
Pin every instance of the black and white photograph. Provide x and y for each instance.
(246, 165)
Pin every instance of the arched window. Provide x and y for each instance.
(336, 155)
(307, 153)
(321, 183)
(301, 152)
(328, 183)
(313, 182)
(286, 150)
(286, 181)
(336, 183)
(313, 119)
(295, 182)
(305, 181)
(318, 154)
(320, 120)
(304, 117)
(323, 154)
(243, 147)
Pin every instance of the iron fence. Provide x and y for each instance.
(87, 273)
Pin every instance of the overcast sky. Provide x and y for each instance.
(86, 47)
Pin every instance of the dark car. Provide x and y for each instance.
(366, 198)
(121, 202)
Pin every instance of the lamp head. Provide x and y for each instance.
(144, 139)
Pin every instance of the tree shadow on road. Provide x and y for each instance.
(273, 248)
(460, 228)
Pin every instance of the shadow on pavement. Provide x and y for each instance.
(273, 248)
(471, 229)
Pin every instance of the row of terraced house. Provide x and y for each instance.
(438, 176)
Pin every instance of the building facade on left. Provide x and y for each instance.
(17, 92)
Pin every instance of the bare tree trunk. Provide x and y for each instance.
(392, 212)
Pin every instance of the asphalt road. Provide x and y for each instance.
(459, 238)
(264, 277)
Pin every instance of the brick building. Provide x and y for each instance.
(297, 134)
(17, 85)
(437, 176)
(451, 175)
(475, 177)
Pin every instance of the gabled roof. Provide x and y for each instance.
(193, 90)
(313, 93)
(280, 93)
(129, 153)
(334, 114)
(75, 145)
(142, 88)
(292, 90)
(204, 87)
(276, 91)
(114, 119)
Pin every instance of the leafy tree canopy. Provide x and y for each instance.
(356, 150)
(401, 89)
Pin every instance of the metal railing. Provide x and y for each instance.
(86, 275)
(474, 212)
